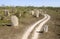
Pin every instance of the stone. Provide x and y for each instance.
(46, 28)
(14, 20)
(37, 13)
(41, 11)
(32, 12)
(7, 13)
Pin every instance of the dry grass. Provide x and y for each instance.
(54, 26)
(10, 32)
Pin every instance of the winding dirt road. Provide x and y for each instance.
(37, 29)
(30, 29)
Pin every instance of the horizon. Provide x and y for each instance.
(35, 3)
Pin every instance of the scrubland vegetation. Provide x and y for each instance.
(26, 19)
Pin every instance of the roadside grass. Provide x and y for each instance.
(9, 32)
(54, 25)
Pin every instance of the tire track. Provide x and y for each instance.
(30, 29)
(35, 34)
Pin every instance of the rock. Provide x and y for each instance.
(37, 13)
(41, 11)
(46, 28)
(7, 13)
(32, 12)
(14, 20)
